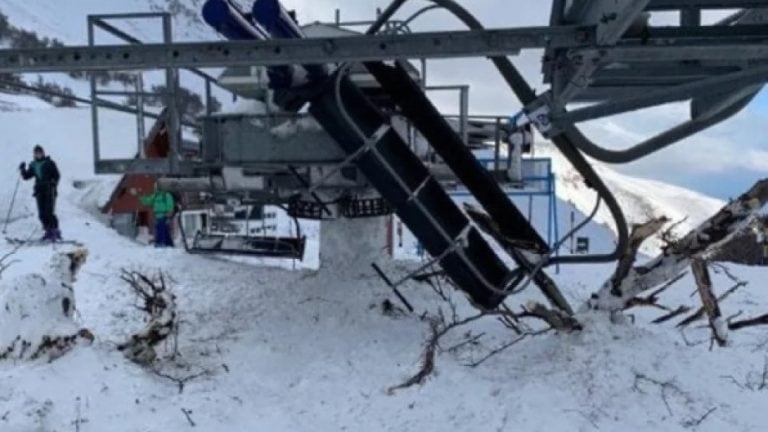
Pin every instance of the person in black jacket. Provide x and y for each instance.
(46, 174)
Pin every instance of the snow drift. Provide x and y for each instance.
(37, 311)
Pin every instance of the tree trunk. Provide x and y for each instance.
(709, 301)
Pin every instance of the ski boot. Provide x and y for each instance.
(47, 236)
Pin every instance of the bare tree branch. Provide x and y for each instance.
(701, 242)
(671, 315)
(188, 415)
(159, 304)
(505, 346)
(692, 423)
(700, 312)
(709, 301)
(652, 300)
(752, 322)
(182, 381)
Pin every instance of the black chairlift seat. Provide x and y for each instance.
(261, 246)
(271, 247)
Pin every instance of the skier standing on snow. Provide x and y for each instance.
(163, 207)
(46, 174)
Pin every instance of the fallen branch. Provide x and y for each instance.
(760, 384)
(180, 382)
(160, 306)
(188, 415)
(557, 320)
(668, 236)
(665, 388)
(700, 312)
(672, 314)
(692, 423)
(6, 262)
(752, 322)
(427, 361)
(709, 301)
(652, 300)
(504, 347)
(471, 340)
(640, 233)
(718, 268)
(701, 242)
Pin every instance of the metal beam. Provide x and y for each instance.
(724, 52)
(658, 74)
(296, 51)
(613, 18)
(127, 16)
(670, 5)
(690, 17)
(109, 28)
(756, 32)
(594, 94)
(133, 166)
(686, 91)
(708, 104)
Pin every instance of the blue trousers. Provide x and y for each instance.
(162, 233)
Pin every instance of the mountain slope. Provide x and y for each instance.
(69, 24)
(295, 351)
(641, 199)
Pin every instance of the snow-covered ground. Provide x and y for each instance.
(311, 350)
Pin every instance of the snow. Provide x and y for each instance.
(38, 309)
(641, 199)
(66, 136)
(12, 102)
(311, 350)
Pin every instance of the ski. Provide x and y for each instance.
(23, 242)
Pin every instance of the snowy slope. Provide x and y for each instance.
(301, 351)
(66, 135)
(297, 351)
(69, 24)
(641, 199)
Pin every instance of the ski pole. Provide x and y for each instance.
(10, 208)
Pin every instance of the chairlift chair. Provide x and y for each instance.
(246, 244)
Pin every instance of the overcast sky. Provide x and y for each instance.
(723, 161)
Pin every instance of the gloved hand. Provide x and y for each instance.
(23, 166)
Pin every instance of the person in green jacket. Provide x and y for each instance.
(163, 207)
